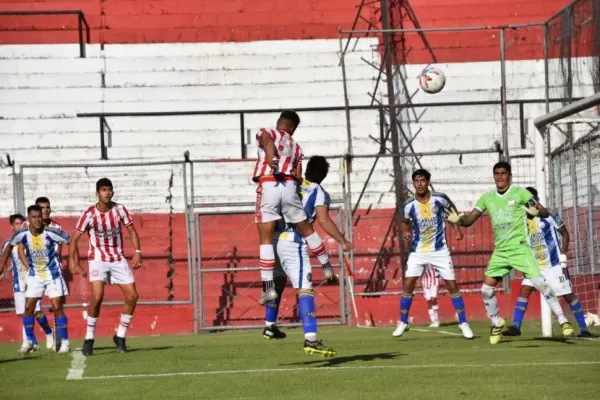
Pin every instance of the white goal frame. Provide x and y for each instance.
(541, 123)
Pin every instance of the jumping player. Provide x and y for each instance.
(507, 206)
(277, 171)
(107, 263)
(430, 284)
(44, 275)
(19, 276)
(549, 241)
(423, 219)
(293, 260)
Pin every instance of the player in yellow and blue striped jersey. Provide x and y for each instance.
(424, 227)
(44, 276)
(549, 240)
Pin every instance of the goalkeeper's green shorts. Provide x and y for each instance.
(519, 257)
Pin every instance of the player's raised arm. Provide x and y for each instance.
(330, 227)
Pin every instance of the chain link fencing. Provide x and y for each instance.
(153, 192)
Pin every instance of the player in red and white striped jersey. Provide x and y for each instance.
(430, 284)
(278, 171)
(106, 259)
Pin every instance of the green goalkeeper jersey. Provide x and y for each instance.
(509, 221)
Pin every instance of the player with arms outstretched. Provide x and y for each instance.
(423, 220)
(549, 241)
(277, 171)
(19, 277)
(44, 276)
(293, 260)
(507, 206)
(106, 259)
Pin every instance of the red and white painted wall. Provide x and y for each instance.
(212, 55)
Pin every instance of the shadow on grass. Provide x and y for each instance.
(335, 361)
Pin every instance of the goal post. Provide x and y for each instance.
(561, 116)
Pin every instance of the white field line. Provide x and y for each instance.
(329, 369)
(434, 331)
(77, 365)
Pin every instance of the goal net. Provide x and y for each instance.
(570, 156)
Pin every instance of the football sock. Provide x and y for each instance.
(459, 306)
(315, 244)
(43, 322)
(520, 309)
(28, 321)
(91, 328)
(578, 313)
(491, 303)
(267, 263)
(306, 308)
(405, 303)
(540, 284)
(272, 308)
(124, 325)
(61, 322)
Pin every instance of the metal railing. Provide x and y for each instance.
(82, 24)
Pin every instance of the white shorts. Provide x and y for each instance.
(274, 199)
(112, 273)
(20, 303)
(440, 260)
(557, 279)
(430, 292)
(52, 288)
(292, 260)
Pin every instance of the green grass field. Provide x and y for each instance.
(425, 363)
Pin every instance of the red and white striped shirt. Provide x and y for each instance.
(104, 231)
(286, 149)
(429, 278)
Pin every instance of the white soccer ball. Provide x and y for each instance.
(432, 80)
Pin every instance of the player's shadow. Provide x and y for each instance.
(334, 361)
(554, 339)
(17, 359)
(137, 349)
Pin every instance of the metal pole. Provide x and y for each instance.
(505, 152)
(242, 137)
(342, 272)
(590, 190)
(200, 291)
(80, 32)
(573, 108)
(574, 193)
(103, 150)
(548, 136)
(346, 99)
(389, 71)
(190, 246)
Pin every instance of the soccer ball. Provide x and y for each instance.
(432, 80)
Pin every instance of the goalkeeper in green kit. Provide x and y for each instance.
(507, 207)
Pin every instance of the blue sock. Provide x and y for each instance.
(43, 321)
(28, 322)
(520, 309)
(459, 307)
(405, 303)
(272, 307)
(306, 307)
(61, 322)
(578, 313)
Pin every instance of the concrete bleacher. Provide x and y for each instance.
(43, 87)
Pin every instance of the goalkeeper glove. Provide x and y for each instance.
(531, 210)
(563, 260)
(453, 216)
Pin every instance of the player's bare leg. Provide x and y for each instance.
(61, 324)
(28, 325)
(271, 331)
(491, 305)
(315, 244)
(93, 314)
(266, 230)
(131, 297)
(405, 303)
(459, 307)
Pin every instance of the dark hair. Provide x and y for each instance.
(41, 200)
(15, 217)
(33, 208)
(317, 169)
(290, 116)
(104, 182)
(421, 172)
(533, 191)
(503, 164)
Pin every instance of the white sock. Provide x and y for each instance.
(315, 244)
(91, 328)
(491, 303)
(269, 324)
(266, 262)
(123, 325)
(311, 337)
(434, 314)
(540, 284)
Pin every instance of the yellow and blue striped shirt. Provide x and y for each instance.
(428, 226)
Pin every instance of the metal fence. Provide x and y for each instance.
(155, 196)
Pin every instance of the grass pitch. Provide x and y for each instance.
(423, 364)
